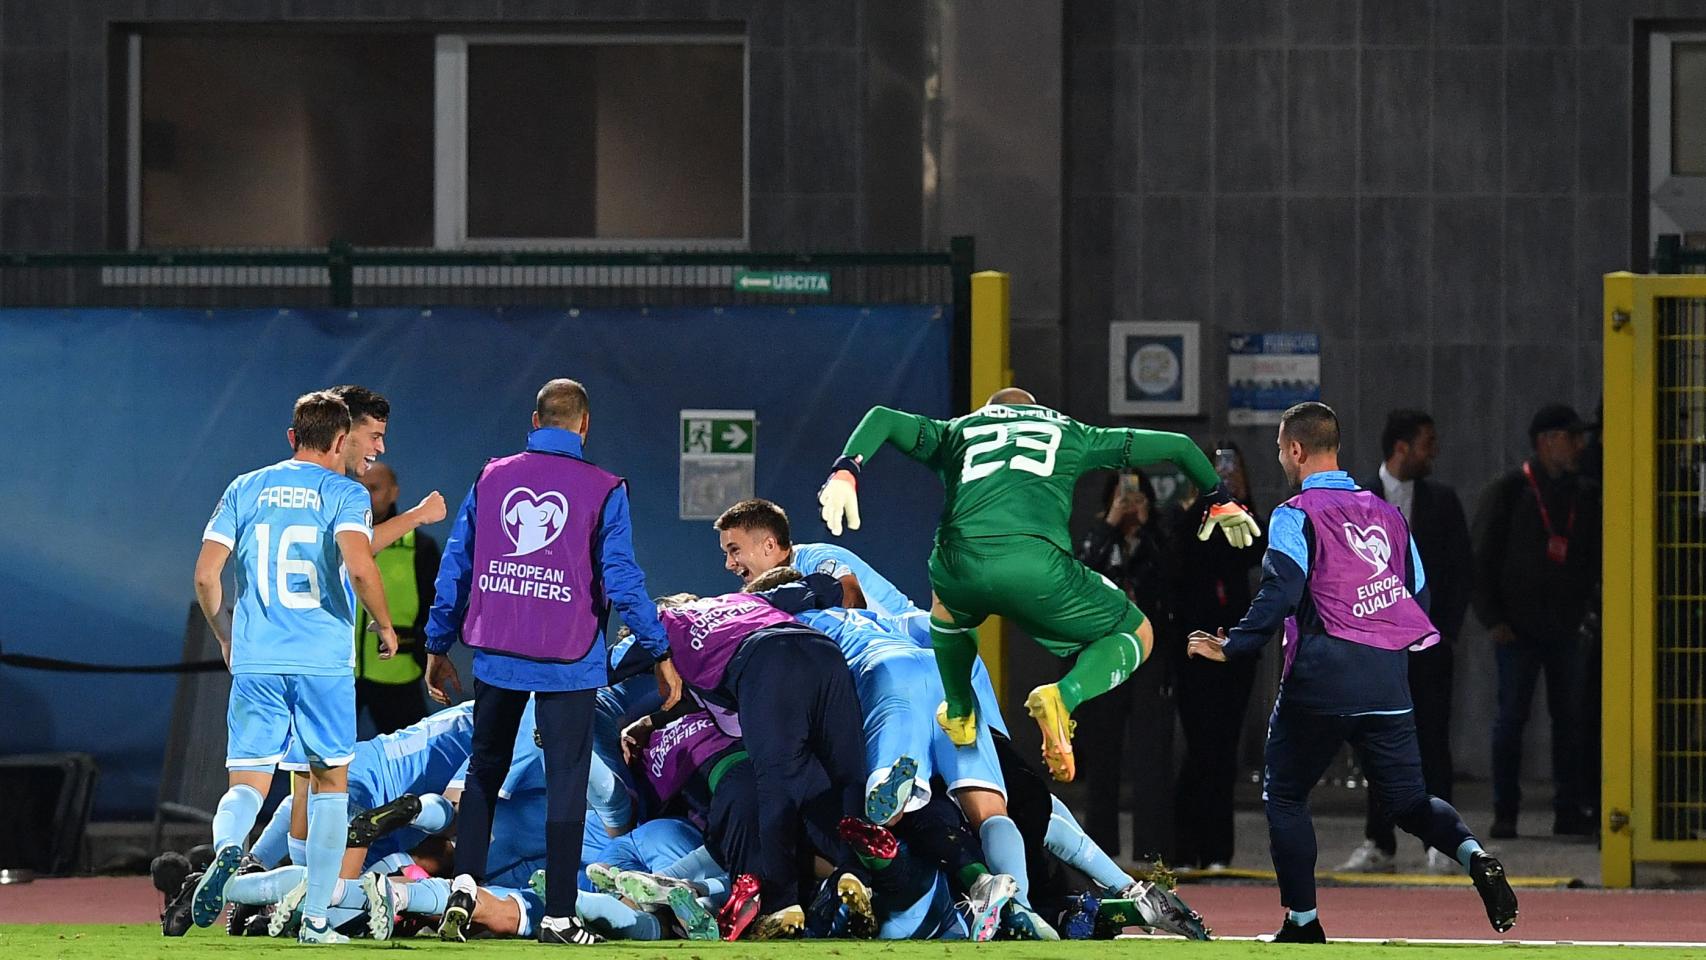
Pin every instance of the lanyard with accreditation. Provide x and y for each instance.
(1557, 545)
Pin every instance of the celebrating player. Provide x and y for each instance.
(292, 525)
(1002, 547)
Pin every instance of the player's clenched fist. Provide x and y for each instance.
(839, 496)
(431, 509)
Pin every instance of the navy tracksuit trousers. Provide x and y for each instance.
(1302, 744)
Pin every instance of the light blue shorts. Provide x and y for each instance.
(268, 711)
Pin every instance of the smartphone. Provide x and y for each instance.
(1130, 486)
(1225, 462)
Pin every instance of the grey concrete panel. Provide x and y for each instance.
(1248, 23)
(1171, 23)
(814, 25)
(35, 223)
(1175, 138)
(1321, 22)
(1540, 270)
(1402, 23)
(1249, 118)
(822, 123)
(1321, 266)
(1395, 122)
(89, 224)
(1468, 264)
(1540, 121)
(34, 25)
(1396, 265)
(824, 223)
(1468, 411)
(87, 160)
(1469, 22)
(1176, 251)
(1602, 246)
(1605, 21)
(1535, 374)
(767, 146)
(1249, 280)
(1390, 376)
(35, 152)
(1468, 89)
(1092, 258)
(1035, 348)
(1321, 107)
(1540, 23)
(1603, 121)
(1090, 95)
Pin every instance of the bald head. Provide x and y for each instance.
(1012, 395)
(562, 403)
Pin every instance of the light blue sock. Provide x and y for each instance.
(436, 814)
(703, 869)
(1068, 841)
(338, 916)
(328, 828)
(1302, 917)
(259, 889)
(1467, 850)
(347, 894)
(298, 850)
(272, 847)
(429, 896)
(235, 816)
(612, 918)
(395, 863)
(1004, 852)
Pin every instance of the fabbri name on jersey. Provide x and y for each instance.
(290, 498)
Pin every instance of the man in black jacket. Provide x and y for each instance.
(1408, 445)
(1537, 557)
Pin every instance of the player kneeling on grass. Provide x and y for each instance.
(1343, 577)
(1003, 549)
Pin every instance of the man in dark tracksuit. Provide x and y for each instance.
(785, 689)
(541, 549)
(1343, 575)
(1435, 516)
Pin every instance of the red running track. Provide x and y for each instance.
(1231, 909)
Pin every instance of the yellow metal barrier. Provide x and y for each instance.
(991, 369)
(1654, 608)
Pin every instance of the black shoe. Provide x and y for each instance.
(458, 910)
(567, 930)
(1504, 828)
(168, 872)
(370, 825)
(237, 922)
(1574, 825)
(1310, 932)
(175, 920)
(1495, 890)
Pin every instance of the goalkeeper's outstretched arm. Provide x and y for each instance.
(917, 437)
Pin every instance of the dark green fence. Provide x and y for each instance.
(344, 276)
(1670, 256)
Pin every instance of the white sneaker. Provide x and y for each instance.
(1367, 858)
(1441, 865)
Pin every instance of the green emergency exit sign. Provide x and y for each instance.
(782, 281)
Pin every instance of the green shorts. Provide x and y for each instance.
(1064, 605)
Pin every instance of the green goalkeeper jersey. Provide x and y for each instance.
(1010, 469)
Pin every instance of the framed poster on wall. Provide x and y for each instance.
(1154, 369)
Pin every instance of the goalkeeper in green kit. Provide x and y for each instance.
(1002, 547)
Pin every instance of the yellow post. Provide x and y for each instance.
(1622, 442)
(991, 369)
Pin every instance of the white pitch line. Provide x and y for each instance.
(1404, 942)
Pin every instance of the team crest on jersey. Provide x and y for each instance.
(827, 567)
(533, 521)
(1371, 544)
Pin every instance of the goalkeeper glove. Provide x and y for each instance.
(839, 496)
(1230, 516)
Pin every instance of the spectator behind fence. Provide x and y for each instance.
(1408, 445)
(391, 690)
(1537, 554)
(1211, 586)
(1128, 545)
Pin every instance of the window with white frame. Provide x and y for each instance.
(267, 138)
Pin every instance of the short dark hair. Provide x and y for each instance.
(562, 403)
(362, 402)
(1402, 426)
(773, 578)
(318, 419)
(1312, 424)
(756, 514)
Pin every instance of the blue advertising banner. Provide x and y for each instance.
(1269, 372)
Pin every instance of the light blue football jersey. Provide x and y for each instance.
(420, 758)
(293, 613)
(864, 636)
(880, 595)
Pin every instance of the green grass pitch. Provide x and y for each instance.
(143, 942)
